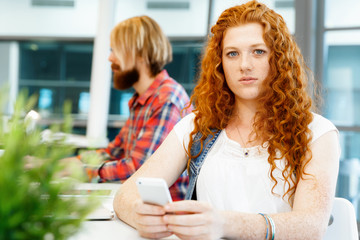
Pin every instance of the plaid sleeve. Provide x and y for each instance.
(178, 189)
(118, 168)
(113, 151)
(154, 132)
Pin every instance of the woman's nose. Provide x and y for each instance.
(245, 63)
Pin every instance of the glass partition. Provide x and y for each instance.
(342, 85)
(57, 71)
(343, 13)
(342, 89)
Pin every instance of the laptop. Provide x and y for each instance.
(105, 192)
(101, 213)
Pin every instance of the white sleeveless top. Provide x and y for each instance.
(230, 181)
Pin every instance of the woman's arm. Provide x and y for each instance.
(308, 220)
(168, 162)
(314, 194)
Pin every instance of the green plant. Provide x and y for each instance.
(31, 206)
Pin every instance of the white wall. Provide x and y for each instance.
(220, 5)
(175, 23)
(19, 19)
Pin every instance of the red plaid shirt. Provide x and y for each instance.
(152, 117)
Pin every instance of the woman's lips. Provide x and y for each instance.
(248, 80)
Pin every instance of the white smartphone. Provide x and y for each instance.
(153, 190)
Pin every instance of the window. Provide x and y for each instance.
(186, 63)
(183, 68)
(342, 14)
(56, 71)
(342, 89)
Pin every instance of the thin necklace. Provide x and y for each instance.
(245, 147)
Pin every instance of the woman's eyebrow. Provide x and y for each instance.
(259, 45)
(252, 46)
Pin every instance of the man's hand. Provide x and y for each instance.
(73, 167)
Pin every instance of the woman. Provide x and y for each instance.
(262, 165)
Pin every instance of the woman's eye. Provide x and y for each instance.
(259, 51)
(232, 54)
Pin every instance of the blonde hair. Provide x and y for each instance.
(142, 37)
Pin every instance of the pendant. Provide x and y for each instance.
(246, 152)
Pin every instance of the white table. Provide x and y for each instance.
(108, 230)
(114, 229)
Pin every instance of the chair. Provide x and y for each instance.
(348, 181)
(342, 224)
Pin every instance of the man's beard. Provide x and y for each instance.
(124, 79)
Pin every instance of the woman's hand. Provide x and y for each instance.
(193, 220)
(149, 221)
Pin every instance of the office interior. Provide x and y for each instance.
(58, 49)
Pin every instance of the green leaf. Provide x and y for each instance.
(30, 202)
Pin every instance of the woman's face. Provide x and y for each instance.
(245, 60)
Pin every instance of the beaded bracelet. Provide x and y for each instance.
(267, 226)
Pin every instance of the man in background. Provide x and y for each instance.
(139, 52)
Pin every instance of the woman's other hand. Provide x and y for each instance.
(193, 220)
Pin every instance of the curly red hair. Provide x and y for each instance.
(284, 111)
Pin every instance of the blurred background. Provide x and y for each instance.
(58, 49)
